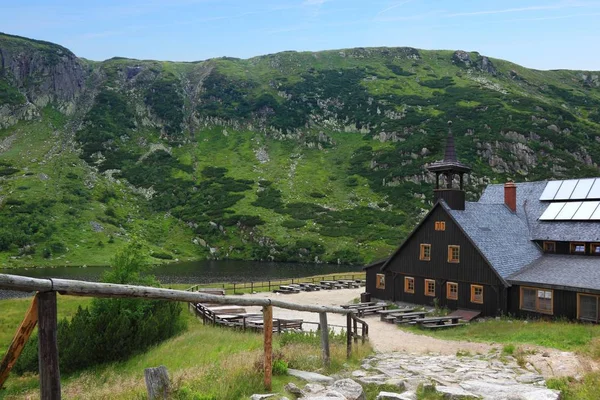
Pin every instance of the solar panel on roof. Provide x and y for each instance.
(586, 210)
(594, 191)
(582, 189)
(550, 190)
(552, 210)
(566, 189)
(596, 215)
(568, 210)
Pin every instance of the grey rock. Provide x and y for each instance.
(501, 391)
(96, 227)
(393, 396)
(313, 388)
(293, 389)
(261, 396)
(310, 376)
(455, 393)
(350, 389)
(376, 379)
(359, 373)
(530, 378)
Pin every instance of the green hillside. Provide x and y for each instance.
(290, 156)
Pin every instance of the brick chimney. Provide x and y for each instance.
(510, 196)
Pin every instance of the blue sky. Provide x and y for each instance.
(536, 34)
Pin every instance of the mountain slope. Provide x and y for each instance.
(291, 156)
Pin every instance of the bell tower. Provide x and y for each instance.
(447, 170)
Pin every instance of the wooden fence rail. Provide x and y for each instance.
(275, 283)
(47, 289)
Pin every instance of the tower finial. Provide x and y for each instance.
(450, 154)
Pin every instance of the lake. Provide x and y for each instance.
(193, 272)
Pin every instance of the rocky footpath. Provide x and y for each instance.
(401, 375)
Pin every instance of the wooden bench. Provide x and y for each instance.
(438, 322)
(358, 305)
(410, 317)
(286, 289)
(362, 311)
(441, 326)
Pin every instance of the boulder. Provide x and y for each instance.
(455, 393)
(349, 389)
(261, 396)
(498, 391)
(293, 389)
(396, 396)
(313, 388)
(310, 376)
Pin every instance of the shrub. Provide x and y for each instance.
(111, 329)
(280, 367)
(161, 256)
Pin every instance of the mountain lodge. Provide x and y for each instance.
(526, 249)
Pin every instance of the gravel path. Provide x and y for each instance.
(387, 338)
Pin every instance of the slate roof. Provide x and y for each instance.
(567, 271)
(530, 208)
(501, 236)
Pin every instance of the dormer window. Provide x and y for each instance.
(549, 247)
(577, 248)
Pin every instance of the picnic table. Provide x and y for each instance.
(390, 315)
(362, 311)
(404, 318)
(330, 285)
(359, 305)
(438, 322)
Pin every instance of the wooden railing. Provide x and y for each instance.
(44, 313)
(239, 287)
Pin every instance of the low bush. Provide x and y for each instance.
(111, 329)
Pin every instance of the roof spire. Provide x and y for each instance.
(450, 154)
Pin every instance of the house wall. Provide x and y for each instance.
(472, 269)
(371, 284)
(564, 304)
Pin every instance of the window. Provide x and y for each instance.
(587, 307)
(537, 300)
(429, 287)
(453, 254)
(549, 247)
(409, 284)
(425, 254)
(477, 294)
(440, 225)
(578, 248)
(596, 249)
(452, 291)
(380, 281)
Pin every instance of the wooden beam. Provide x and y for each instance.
(95, 289)
(18, 343)
(324, 337)
(48, 347)
(268, 329)
(348, 336)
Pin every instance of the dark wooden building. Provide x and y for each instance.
(529, 249)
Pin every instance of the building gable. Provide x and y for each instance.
(472, 265)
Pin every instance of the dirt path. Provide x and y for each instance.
(387, 338)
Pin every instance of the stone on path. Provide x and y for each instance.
(293, 389)
(502, 391)
(261, 396)
(396, 396)
(349, 389)
(455, 393)
(310, 376)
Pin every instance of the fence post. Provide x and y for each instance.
(48, 347)
(348, 335)
(355, 331)
(268, 328)
(233, 287)
(251, 287)
(18, 343)
(269, 285)
(324, 337)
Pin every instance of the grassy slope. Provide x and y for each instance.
(296, 170)
(203, 360)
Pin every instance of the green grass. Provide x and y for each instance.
(206, 360)
(563, 335)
